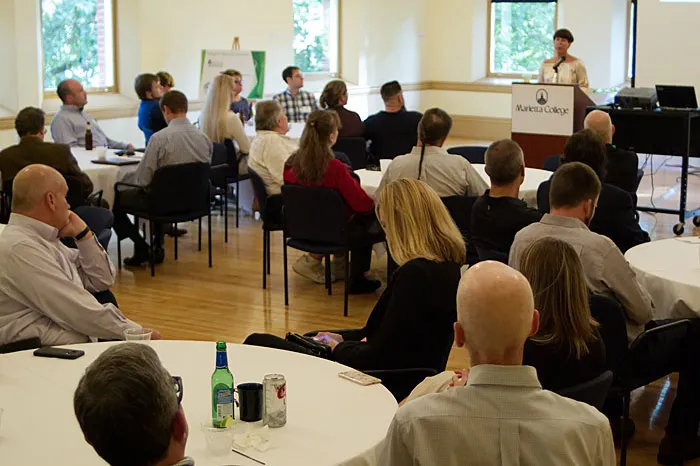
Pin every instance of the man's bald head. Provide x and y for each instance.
(495, 313)
(600, 122)
(32, 184)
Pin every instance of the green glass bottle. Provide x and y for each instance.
(222, 389)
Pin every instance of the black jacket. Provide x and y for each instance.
(613, 218)
(622, 169)
(411, 324)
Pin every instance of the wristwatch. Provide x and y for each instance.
(82, 234)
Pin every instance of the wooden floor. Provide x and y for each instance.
(189, 301)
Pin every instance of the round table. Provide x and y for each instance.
(528, 191)
(102, 176)
(329, 419)
(669, 270)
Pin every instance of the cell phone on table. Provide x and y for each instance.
(359, 378)
(60, 353)
(128, 153)
(324, 339)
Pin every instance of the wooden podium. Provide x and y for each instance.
(544, 116)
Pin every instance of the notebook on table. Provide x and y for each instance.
(119, 161)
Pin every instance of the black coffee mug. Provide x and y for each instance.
(250, 398)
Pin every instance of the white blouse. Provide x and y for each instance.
(569, 73)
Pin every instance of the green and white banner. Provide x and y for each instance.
(251, 65)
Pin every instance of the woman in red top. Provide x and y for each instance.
(314, 164)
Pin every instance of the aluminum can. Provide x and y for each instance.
(274, 400)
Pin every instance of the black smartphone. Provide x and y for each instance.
(60, 353)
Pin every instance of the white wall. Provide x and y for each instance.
(8, 70)
(668, 47)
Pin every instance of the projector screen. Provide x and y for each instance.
(667, 43)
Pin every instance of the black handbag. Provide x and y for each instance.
(313, 347)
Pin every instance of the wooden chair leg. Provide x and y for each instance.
(347, 282)
(209, 236)
(286, 279)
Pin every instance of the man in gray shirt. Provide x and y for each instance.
(573, 196)
(69, 124)
(179, 143)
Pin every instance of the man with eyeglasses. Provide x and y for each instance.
(153, 431)
(296, 102)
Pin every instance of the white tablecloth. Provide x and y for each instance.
(528, 191)
(295, 131)
(329, 419)
(670, 271)
(103, 176)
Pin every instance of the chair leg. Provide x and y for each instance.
(199, 244)
(268, 252)
(264, 260)
(175, 239)
(347, 282)
(329, 281)
(209, 236)
(152, 254)
(286, 285)
(119, 253)
(238, 200)
(226, 214)
(623, 437)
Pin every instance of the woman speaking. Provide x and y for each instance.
(563, 68)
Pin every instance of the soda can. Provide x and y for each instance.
(274, 400)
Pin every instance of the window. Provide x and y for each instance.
(316, 35)
(631, 52)
(78, 43)
(520, 36)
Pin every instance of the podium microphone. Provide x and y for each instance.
(556, 65)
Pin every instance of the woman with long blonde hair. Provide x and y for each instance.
(218, 121)
(412, 323)
(314, 164)
(335, 97)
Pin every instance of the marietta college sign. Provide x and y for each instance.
(543, 109)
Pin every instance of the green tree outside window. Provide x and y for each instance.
(311, 30)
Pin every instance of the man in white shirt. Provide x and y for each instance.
(45, 287)
(270, 148)
(448, 174)
(502, 415)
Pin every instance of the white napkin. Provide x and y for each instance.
(255, 438)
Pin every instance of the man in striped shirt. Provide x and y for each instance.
(296, 103)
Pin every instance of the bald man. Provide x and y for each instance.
(622, 165)
(46, 288)
(70, 122)
(502, 415)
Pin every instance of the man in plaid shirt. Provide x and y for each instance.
(296, 103)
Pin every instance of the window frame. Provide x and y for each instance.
(113, 89)
(323, 75)
(629, 53)
(489, 44)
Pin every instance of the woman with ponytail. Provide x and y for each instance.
(314, 164)
(335, 97)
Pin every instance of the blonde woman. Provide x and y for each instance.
(411, 324)
(240, 104)
(335, 97)
(567, 349)
(218, 121)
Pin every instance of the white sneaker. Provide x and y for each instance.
(310, 268)
(338, 268)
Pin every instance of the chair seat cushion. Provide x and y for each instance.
(315, 247)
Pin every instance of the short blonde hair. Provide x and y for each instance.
(418, 225)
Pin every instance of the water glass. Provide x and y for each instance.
(101, 153)
(138, 335)
(219, 439)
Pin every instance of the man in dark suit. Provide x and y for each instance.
(614, 216)
(32, 149)
(622, 165)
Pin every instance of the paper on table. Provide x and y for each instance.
(690, 240)
(255, 438)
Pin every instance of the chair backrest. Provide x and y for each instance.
(552, 163)
(355, 149)
(259, 190)
(491, 255)
(20, 345)
(401, 382)
(475, 154)
(225, 154)
(592, 392)
(612, 328)
(314, 214)
(179, 190)
(460, 209)
(75, 190)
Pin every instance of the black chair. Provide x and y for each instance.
(401, 382)
(226, 153)
(355, 149)
(474, 154)
(612, 327)
(625, 381)
(20, 345)
(75, 193)
(270, 208)
(6, 205)
(592, 392)
(177, 193)
(460, 209)
(552, 163)
(490, 255)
